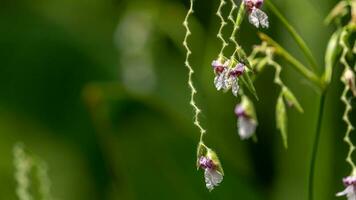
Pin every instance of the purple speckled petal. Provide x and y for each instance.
(206, 163)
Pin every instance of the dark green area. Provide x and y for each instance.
(98, 89)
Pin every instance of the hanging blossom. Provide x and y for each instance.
(246, 118)
(226, 77)
(350, 191)
(213, 172)
(256, 16)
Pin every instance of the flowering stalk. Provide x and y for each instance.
(213, 172)
(197, 110)
(349, 81)
(223, 23)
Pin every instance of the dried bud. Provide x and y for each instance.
(349, 79)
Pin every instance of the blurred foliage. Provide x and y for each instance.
(98, 90)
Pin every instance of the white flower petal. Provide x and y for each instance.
(219, 81)
(227, 83)
(349, 192)
(258, 18)
(212, 178)
(252, 18)
(235, 87)
(246, 127)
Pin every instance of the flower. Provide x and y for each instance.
(349, 79)
(246, 121)
(221, 71)
(234, 73)
(256, 16)
(213, 172)
(227, 78)
(350, 191)
(212, 176)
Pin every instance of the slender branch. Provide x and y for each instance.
(197, 110)
(311, 76)
(222, 25)
(299, 40)
(315, 147)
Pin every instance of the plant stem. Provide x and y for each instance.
(299, 40)
(315, 146)
(311, 76)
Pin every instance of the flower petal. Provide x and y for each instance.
(257, 17)
(212, 178)
(235, 87)
(246, 127)
(219, 81)
(348, 191)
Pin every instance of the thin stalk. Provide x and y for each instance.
(315, 147)
(298, 39)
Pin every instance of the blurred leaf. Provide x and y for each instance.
(246, 80)
(333, 51)
(337, 12)
(281, 119)
(291, 99)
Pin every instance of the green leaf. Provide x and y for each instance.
(246, 80)
(332, 54)
(281, 120)
(291, 99)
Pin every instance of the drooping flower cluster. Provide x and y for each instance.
(256, 16)
(226, 77)
(350, 191)
(213, 172)
(246, 118)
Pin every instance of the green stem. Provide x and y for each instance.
(241, 15)
(279, 50)
(299, 40)
(315, 147)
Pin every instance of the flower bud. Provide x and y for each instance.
(349, 79)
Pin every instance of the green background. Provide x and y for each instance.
(98, 89)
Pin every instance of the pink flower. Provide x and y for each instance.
(227, 78)
(246, 118)
(350, 191)
(213, 177)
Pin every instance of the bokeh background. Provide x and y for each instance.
(97, 89)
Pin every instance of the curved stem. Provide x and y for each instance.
(315, 147)
(299, 40)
